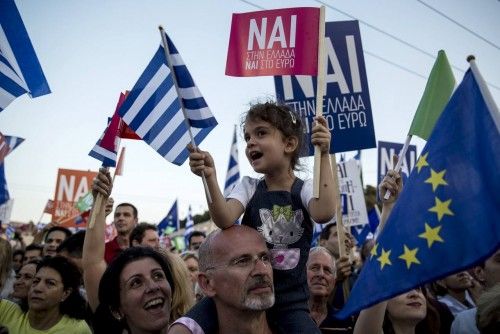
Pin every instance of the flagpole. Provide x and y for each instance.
(171, 67)
(488, 99)
(320, 92)
(402, 154)
(96, 207)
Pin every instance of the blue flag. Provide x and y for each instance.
(20, 71)
(170, 223)
(154, 110)
(233, 168)
(4, 191)
(189, 226)
(446, 218)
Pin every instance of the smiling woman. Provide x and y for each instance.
(55, 304)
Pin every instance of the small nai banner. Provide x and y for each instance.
(385, 152)
(274, 42)
(346, 105)
(352, 194)
(71, 185)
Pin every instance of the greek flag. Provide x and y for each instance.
(106, 155)
(233, 169)
(154, 109)
(189, 226)
(20, 71)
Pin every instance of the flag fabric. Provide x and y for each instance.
(4, 191)
(170, 223)
(4, 148)
(189, 226)
(85, 202)
(13, 142)
(106, 148)
(119, 165)
(20, 71)
(154, 110)
(436, 95)
(49, 207)
(233, 168)
(448, 208)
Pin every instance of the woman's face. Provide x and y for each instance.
(145, 295)
(409, 306)
(192, 266)
(47, 290)
(24, 278)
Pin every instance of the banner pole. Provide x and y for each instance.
(401, 158)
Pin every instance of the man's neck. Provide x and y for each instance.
(458, 295)
(44, 320)
(123, 240)
(318, 308)
(242, 322)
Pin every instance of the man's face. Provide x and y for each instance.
(151, 239)
(52, 241)
(32, 254)
(17, 262)
(242, 277)
(490, 274)
(196, 242)
(124, 219)
(458, 282)
(320, 274)
(332, 243)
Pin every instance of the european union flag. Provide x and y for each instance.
(446, 218)
(170, 223)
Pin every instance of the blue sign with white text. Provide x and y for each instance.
(385, 152)
(346, 105)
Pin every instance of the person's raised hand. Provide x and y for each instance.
(320, 135)
(102, 183)
(200, 161)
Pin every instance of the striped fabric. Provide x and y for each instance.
(107, 156)
(20, 71)
(189, 226)
(233, 169)
(154, 111)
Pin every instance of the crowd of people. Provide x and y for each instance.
(260, 276)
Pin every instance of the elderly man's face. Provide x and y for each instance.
(242, 276)
(320, 274)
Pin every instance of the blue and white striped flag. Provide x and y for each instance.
(189, 226)
(154, 111)
(13, 142)
(4, 190)
(233, 169)
(20, 71)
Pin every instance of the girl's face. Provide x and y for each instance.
(145, 295)
(409, 306)
(47, 290)
(24, 278)
(267, 150)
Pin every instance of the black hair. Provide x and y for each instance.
(196, 234)
(137, 233)
(66, 231)
(288, 122)
(33, 247)
(18, 252)
(74, 305)
(134, 209)
(109, 288)
(325, 233)
(73, 245)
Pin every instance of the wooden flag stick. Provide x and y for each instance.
(171, 67)
(402, 154)
(340, 225)
(96, 207)
(320, 93)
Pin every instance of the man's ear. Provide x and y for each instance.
(206, 284)
(291, 144)
(479, 274)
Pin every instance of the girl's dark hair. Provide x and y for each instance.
(74, 305)
(429, 325)
(284, 119)
(109, 288)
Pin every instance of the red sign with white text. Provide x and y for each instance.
(274, 42)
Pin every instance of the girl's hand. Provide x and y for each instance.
(320, 135)
(200, 161)
(393, 182)
(102, 184)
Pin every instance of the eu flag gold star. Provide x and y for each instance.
(384, 259)
(374, 250)
(441, 208)
(436, 179)
(431, 234)
(410, 256)
(422, 162)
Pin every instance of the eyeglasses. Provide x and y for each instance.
(245, 262)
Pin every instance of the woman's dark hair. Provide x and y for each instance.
(74, 305)
(284, 119)
(109, 288)
(429, 325)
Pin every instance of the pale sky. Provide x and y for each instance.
(91, 50)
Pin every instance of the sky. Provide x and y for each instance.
(92, 50)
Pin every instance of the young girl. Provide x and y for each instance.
(279, 205)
